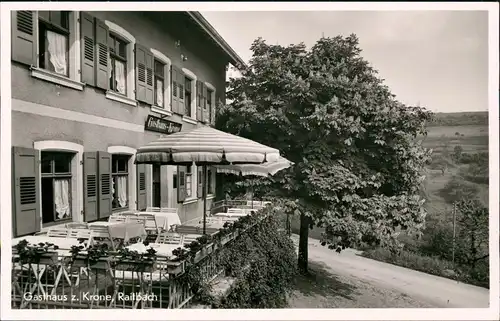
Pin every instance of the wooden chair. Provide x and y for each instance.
(81, 234)
(172, 210)
(117, 219)
(150, 223)
(74, 225)
(169, 238)
(101, 234)
(188, 238)
(235, 211)
(58, 232)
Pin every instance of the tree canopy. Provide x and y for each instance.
(358, 164)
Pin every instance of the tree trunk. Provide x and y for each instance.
(303, 242)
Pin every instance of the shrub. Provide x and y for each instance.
(263, 261)
(427, 264)
(433, 265)
(457, 189)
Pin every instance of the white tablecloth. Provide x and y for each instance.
(123, 230)
(161, 249)
(62, 243)
(165, 220)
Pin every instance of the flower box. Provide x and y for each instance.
(100, 264)
(47, 258)
(131, 265)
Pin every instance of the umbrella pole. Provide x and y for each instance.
(205, 199)
(251, 193)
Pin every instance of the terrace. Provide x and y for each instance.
(136, 260)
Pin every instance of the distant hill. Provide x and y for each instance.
(460, 119)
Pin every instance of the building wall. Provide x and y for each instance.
(46, 111)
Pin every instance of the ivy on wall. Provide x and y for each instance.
(263, 263)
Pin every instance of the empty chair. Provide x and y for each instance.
(235, 211)
(58, 232)
(101, 233)
(77, 225)
(80, 234)
(117, 219)
(188, 238)
(162, 210)
(169, 238)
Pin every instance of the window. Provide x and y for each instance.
(187, 96)
(53, 41)
(56, 186)
(159, 83)
(118, 65)
(119, 172)
(189, 181)
(208, 105)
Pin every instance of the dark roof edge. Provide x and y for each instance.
(210, 30)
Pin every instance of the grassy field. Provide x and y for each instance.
(472, 137)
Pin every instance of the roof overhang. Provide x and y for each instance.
(235, 59)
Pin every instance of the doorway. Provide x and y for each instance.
(56, 187)
(156, 185)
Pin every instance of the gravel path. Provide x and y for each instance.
(347, 280)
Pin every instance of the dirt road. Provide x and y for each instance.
(347, 280)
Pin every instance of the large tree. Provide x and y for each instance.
(357, 161)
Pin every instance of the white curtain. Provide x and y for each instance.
(159, 92)
(57, 51)
(120, 77)
(121, 182)
(61, 197)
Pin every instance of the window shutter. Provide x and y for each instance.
(102, 54)
(199, 100)
(181, 108)
(144, 74)
(90, 199)
(141, 187)
(214, 108)
(181, 183)
(199, 190)
(26, 214)
(174, 101)
(206, 109)
(105, 182)
(87, 47)
(23, 37)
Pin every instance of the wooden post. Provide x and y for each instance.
(205, 173)
(454, 233)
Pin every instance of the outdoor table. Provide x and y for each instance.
(123, 230)
(62, 243)
(163, 219)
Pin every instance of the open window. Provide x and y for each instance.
(48, 41)
(56, 187)
(120, 178)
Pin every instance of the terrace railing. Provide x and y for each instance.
(46, 277)
(223, 205)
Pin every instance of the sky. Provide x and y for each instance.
(435, 59)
